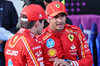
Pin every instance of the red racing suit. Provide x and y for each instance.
(68, 44)
(23, 50)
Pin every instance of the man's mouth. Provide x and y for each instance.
(60, 25)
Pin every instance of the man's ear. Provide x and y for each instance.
(37, 23)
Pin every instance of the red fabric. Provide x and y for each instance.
(34, 12)
(23, 49)
(67, 44)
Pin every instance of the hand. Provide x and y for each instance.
(61, 62)
(1, 41)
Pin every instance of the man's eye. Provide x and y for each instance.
(62, 15)
(56, 16)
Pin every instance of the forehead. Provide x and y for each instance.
(60, 14)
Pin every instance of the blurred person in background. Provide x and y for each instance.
(8, 21)
(5, 34)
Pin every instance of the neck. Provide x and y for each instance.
(33, 30)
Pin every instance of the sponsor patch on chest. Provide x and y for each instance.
(50, 43)
(73, 50)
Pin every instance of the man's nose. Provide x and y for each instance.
(59, 19)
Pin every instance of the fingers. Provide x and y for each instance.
(58, 62)
(62, 65)
(55, 62)
(61, 62)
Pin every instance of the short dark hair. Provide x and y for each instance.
(27, 24)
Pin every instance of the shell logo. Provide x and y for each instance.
(52, 52)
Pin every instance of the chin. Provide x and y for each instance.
(61, 28)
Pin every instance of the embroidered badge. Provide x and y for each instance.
(50, 43)
(71, 37)
(57, 5)
(52, 52)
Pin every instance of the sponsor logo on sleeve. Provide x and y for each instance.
(38, 53)
(38, 47)
(85, 46)
(11, 52)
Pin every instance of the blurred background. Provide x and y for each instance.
(73, 6)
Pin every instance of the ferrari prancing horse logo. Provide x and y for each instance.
(71, 37)
(57, 5)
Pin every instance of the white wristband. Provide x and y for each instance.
(71, 63)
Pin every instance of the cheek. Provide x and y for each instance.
(41, 27)
(64, 20)
(53, 24)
